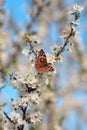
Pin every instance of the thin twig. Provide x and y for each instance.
(66, 42)
(8, 118)
(21, 127)
(30, 89)
(30, 43)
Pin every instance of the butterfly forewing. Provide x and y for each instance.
(42, 60)
(42, 57)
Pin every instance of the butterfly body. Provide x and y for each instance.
(41, 63)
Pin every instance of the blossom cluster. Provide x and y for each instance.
(69, 34)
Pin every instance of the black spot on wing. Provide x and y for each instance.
(42, 53)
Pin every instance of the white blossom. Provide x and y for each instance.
(25, 52)
(59, 59)
(33, 99)
(20, 102)
(65, 34)
(77, 7)
(15, 116)
(21, 121)
(35, 40)
(54, 47)
(75, 22)
(50, 58)
(27, 78)
(32, 78)
(36, 117)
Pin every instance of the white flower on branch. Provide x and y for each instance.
(77, 7)
(65, 34)
(75, 23)
(54, 47)
(21, 122)
(33, 99)
(35, 40)
(59, 59)
(21, 102)
(36, 118)
(27, 78)
(15, 116)
(25, 52)
(51, 58)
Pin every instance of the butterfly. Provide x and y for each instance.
(41, 63)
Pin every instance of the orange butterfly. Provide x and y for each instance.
(41, 63)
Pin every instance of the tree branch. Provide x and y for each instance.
(66, 42)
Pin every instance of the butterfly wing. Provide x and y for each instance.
(41, 63)
(42, 57)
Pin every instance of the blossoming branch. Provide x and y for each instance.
(30, 85)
